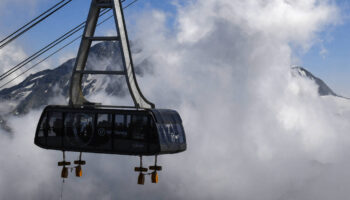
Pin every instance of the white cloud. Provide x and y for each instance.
(295, 21)
(13, 55)
(254, 131)
(10, 57)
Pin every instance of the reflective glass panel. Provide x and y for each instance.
(120, 128)
(55, 124)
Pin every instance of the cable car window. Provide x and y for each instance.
(153, 136)
(139, 127)
(40, 138)
(102, 138)
(162, 132)
(128, 121)
(68, 125)
(79, 128)
(104, 124)
(120, 128)
(167, 116)
(55, 124)
(180, 133)
(42, 126)
(173, 133)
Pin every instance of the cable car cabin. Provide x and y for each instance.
(111, 130)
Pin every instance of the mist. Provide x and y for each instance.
(254, 131)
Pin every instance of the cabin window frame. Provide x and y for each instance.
(109, 136)
(49, 116)
(66, 136)
(139, 127)
(124, 127)
(144, 133)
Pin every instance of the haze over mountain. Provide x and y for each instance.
(39, 88)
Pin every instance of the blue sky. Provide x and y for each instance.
(63, 20)
(332, 66)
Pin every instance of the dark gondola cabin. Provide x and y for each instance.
(111, 130)
(87, 127)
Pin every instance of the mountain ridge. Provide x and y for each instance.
(36, 90)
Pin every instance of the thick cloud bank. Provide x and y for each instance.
(254, 131)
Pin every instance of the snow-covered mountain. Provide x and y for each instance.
(39, 88)
(323, 88)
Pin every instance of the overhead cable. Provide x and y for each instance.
(130, 4)
(33, 23)
(60, 49)
(46, 48)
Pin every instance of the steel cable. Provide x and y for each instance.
(14, 35)
(46, 48)
(69, 43)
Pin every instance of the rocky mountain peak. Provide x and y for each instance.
(323, 88)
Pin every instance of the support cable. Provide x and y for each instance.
(51, 45)
(46, 48)
(130, 4)
(69, 43)
(31, 21)
(15, 35)
(38, 63)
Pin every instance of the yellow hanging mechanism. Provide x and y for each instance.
(79, 163)
(155, 168)
(64, 173)
(141, 177)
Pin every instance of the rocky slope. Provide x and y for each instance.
(37, 89)
(323, 88)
